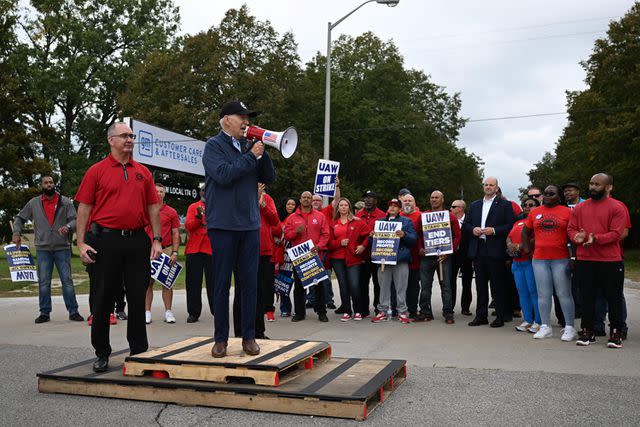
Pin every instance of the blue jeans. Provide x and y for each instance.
(349, 281)
(526, 285)
(285, 303)
(62, 261)
(553, 274)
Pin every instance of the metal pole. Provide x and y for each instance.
(327, 97)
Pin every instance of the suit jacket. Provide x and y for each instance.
(463, 248)
(500, 217)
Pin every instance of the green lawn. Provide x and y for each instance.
(80, 278)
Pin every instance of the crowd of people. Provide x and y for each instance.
(553, 249)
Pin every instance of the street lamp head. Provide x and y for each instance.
(390, 3)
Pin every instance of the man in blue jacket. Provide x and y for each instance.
(489, 221)
(233, 167)
(399, 273)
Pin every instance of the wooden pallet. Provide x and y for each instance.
(279, 361)
(342, 388)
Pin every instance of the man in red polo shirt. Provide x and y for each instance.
(117, 198)
(170, 224)
(198, 259)
(368, 270)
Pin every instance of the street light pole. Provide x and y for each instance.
(327, 96)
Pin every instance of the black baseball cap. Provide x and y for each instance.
(571, 184)
(236, 107)
(370, 193)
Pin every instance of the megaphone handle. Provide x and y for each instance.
(259, 157)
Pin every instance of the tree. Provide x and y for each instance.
(603, 133)
(20, 157)
(76, 55)
(392, 127)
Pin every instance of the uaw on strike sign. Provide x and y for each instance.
(326, 178)
(21, 264)
(307, 265)
(436, 230)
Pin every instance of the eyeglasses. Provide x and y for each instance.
(125, 135)
(535, 195)
(529, 205)
(453, 207)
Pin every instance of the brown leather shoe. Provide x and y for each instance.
(250, 347)
(219, 349)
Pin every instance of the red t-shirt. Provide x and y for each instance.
(416, 219)
(340, 232)
(119, 201)
(168, 220)
(49, 207)
(516, 237)
(549, 227)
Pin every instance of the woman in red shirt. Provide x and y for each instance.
(523, 272)
(349, 237)
(547, 224)
(284, 268)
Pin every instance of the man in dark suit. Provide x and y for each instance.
(461, 261)
(489, 221)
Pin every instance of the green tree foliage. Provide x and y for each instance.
(603, 133)
(20, 157)
(77, 55)
(392, 127)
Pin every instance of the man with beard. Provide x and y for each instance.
(410, 210)
(54, 219)
(596, 227)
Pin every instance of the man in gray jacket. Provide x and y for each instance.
(54, 219)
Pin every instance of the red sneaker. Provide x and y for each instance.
(90, 320)
(404, 318)
(271, 317)
(112, 319)
(380, 317)
(345, 317)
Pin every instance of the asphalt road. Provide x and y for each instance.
(457, 375)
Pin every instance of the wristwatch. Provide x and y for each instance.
(158, 238)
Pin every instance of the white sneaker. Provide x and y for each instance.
(570, 334)
(545, 331)
(169, 317)
(534, 328)
(147, 317)
(523, 327)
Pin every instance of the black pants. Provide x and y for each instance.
(266, 291)
(265, 271)
(120, 260)
(413, 291)
(118, 291)
(197, 264)
(368, 271)
(491, 270)
(319, 305)
(462, 264)
(594, 275)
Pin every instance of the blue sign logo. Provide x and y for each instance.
(145, 144)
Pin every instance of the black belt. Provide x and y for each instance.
(98, 229)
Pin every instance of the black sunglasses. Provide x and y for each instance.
(550, 193)
(535, 195)
(529, 205)
(453, 207)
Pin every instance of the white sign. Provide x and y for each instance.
(165, 149)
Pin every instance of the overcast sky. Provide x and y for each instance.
(506, 58)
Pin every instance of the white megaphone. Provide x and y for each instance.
(285, 141)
